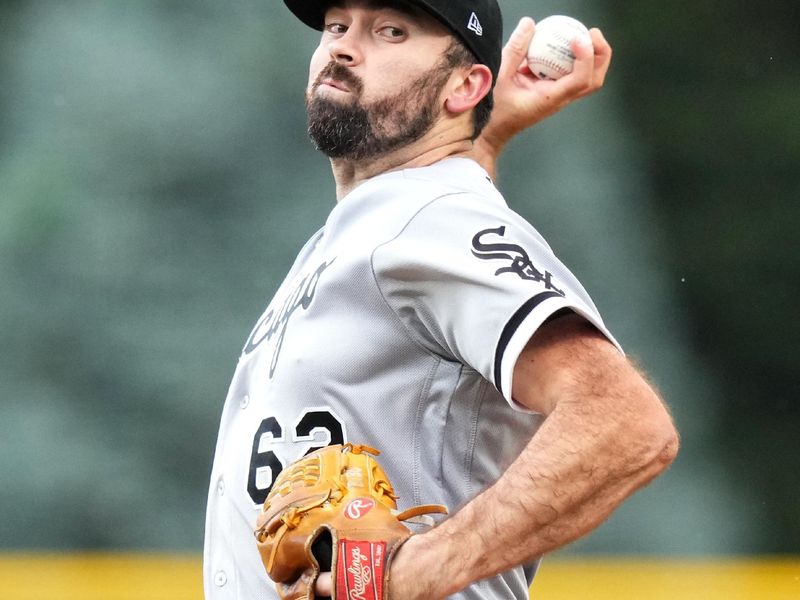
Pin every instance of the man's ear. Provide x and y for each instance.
(470, 90)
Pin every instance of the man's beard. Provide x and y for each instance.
(357, 131)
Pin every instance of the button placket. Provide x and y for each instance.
(220, 578)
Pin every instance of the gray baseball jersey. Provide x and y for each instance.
(398, 327)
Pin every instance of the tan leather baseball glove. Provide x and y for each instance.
(333, 510)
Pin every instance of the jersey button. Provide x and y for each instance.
(220, 579)
(221, 487)
(245, 401)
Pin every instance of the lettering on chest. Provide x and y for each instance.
(272, 327)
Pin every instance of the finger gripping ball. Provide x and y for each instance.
(549, 54)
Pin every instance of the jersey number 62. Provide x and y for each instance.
(319, 426)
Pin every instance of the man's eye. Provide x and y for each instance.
(335, 28)
(393, 32)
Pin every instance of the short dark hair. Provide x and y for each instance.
(458, 55)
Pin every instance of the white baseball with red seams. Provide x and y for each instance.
(550, 55)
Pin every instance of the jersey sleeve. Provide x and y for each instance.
(472, 281)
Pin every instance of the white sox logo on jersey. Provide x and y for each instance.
(520, 262)
(275, 322)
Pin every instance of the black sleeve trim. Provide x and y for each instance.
(511, 328)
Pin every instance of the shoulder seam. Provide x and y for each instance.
(411, 337)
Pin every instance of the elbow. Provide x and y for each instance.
(670, 445)
(646, 435)
(661, 440)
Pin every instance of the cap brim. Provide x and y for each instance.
(310, 12)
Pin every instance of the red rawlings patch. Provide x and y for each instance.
(358, 508)
(359, 571)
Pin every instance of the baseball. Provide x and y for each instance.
(550, 55)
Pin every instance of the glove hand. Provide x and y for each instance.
(324, 586)
(334, 509)
(406, 580)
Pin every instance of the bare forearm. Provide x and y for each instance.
(562, 486)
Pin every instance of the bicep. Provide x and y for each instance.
(566, 353)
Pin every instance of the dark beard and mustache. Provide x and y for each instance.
(357, 131)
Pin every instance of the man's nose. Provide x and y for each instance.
(345, 49)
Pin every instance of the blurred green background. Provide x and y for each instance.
(156, 182)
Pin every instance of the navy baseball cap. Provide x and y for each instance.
(478, 23)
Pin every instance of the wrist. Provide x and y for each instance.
(492, 142)
(416, 572)
(486, 151)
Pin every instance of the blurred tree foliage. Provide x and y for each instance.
(138, 145)
(713, 88)
(155, 185)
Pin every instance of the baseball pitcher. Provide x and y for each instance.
(428, 321)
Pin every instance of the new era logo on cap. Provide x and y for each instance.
(474, 24)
